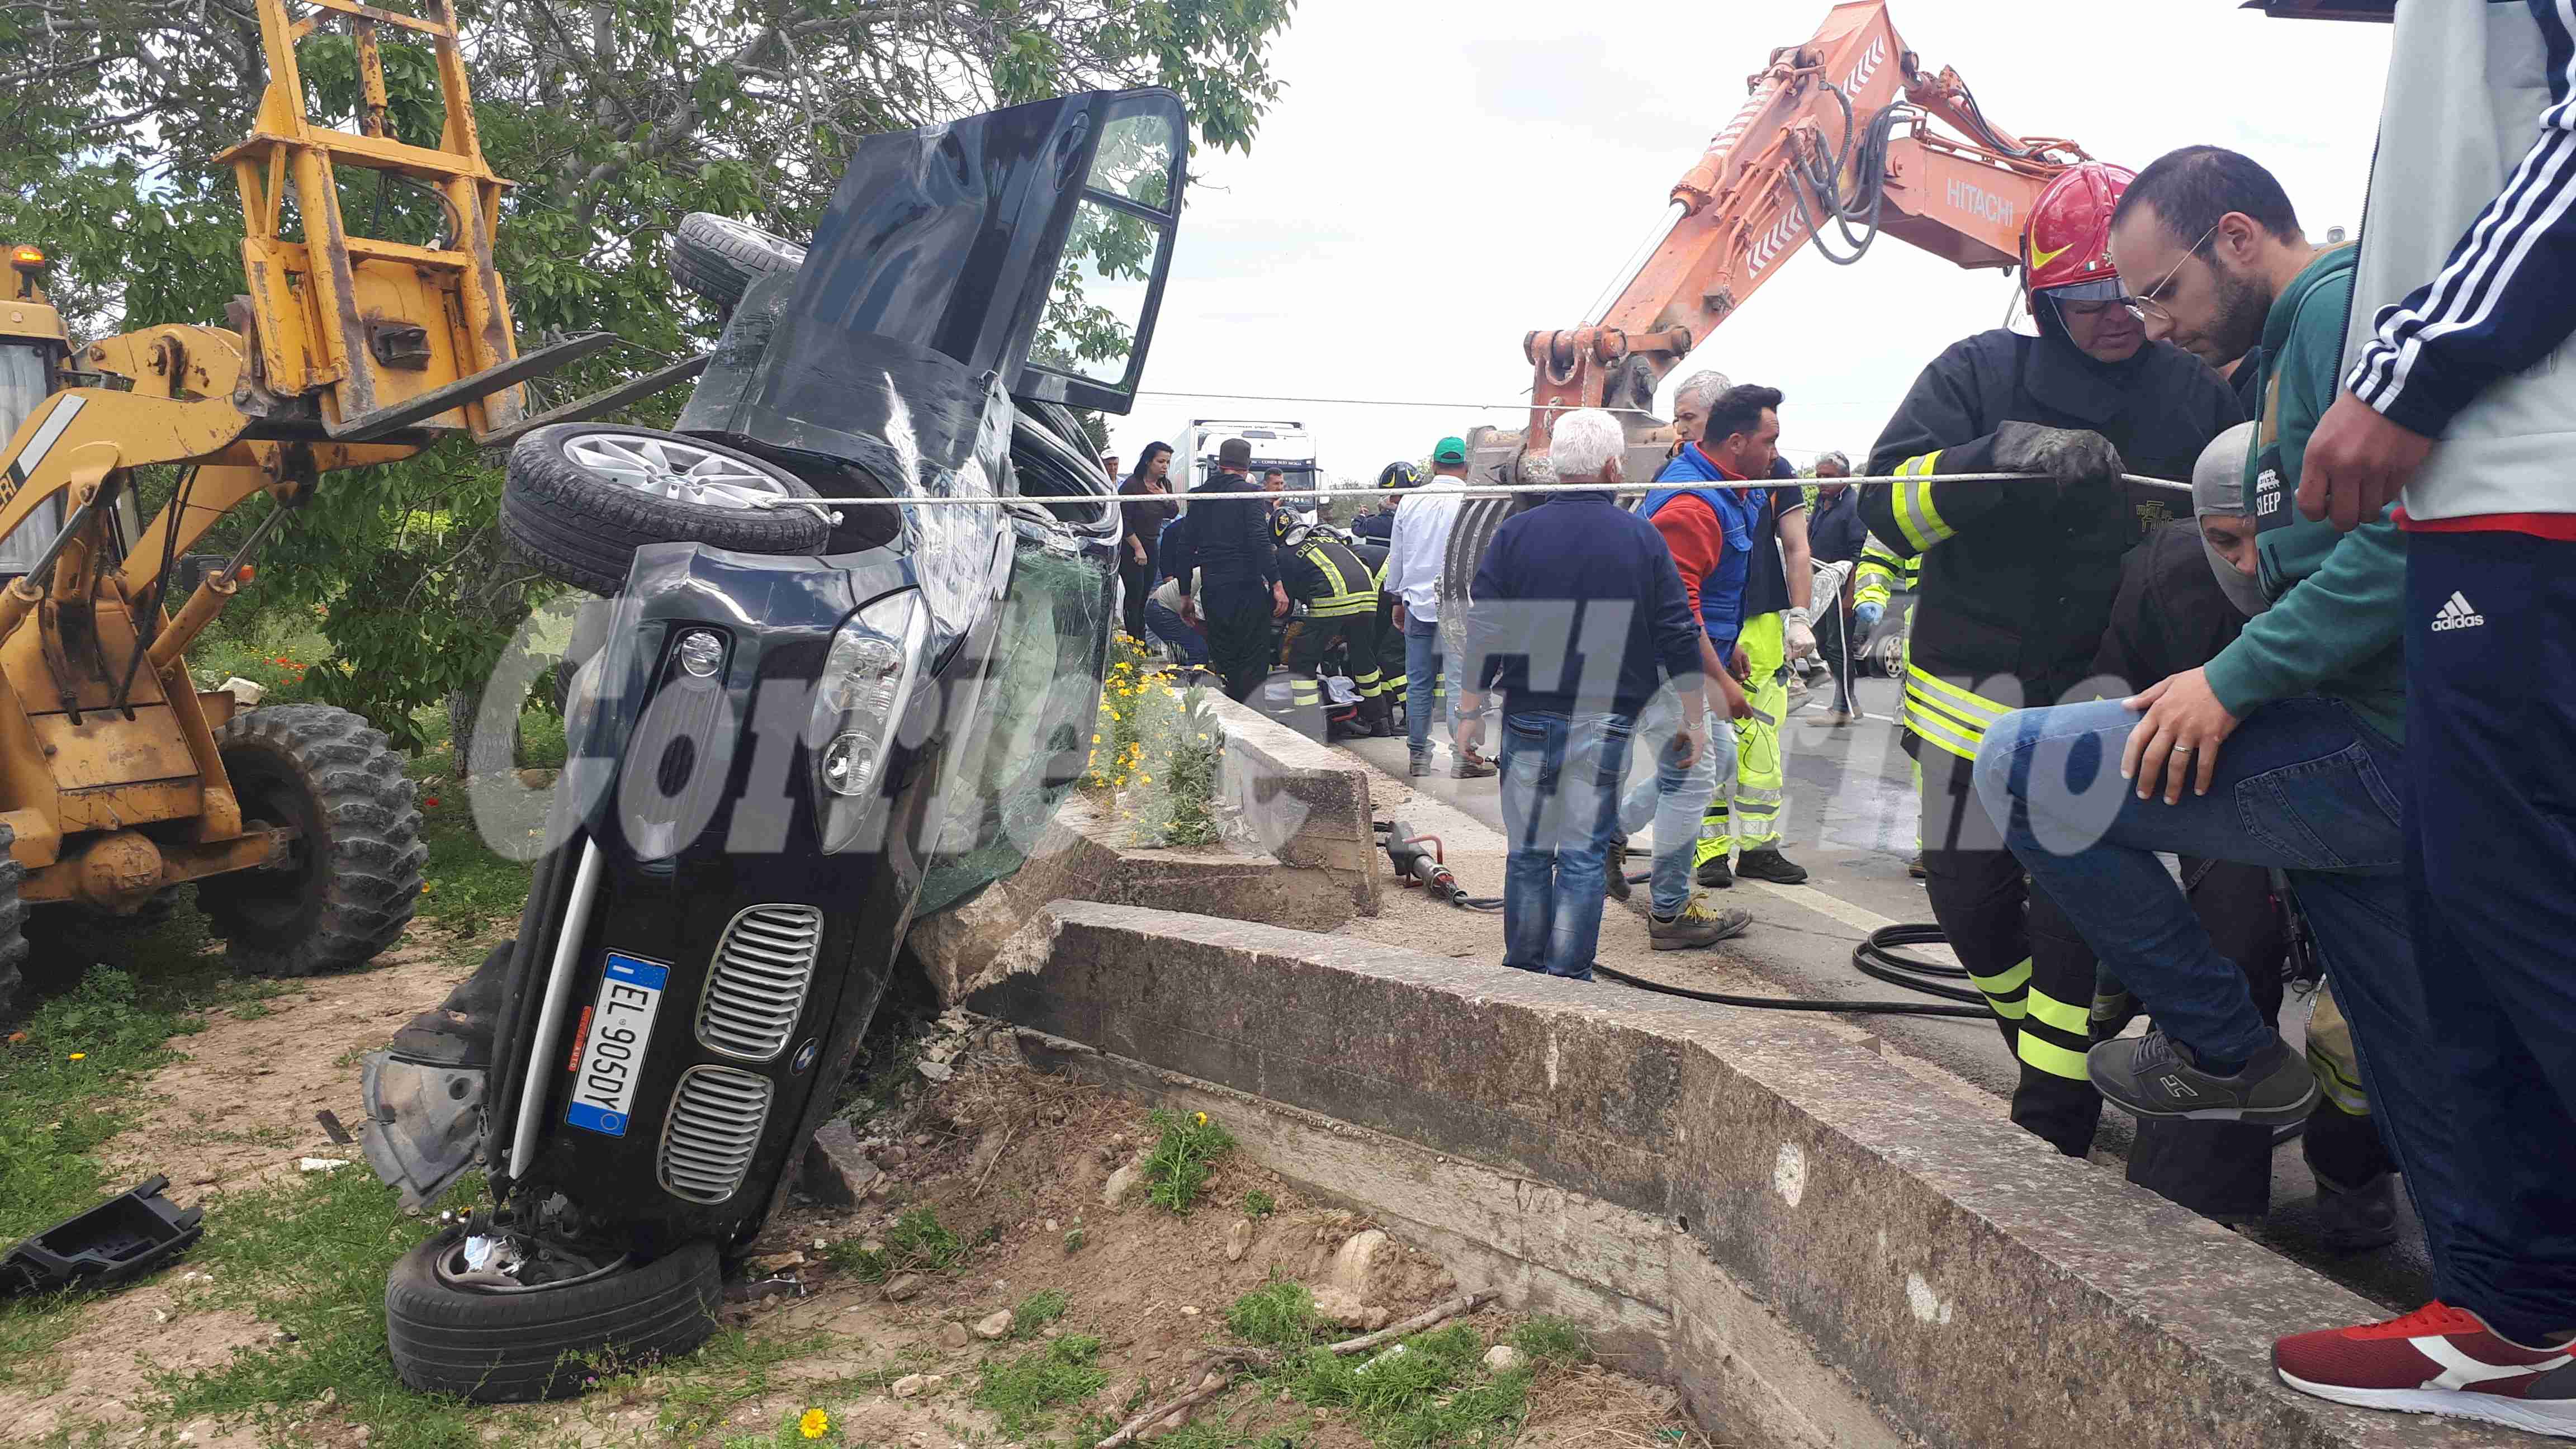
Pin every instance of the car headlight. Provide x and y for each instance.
(866, 678)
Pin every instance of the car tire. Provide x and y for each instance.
(718, 258)
(353, 874)
(580, 498)
(543, 1343)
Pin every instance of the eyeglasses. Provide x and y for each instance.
(2146, 306)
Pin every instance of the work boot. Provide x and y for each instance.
(2156, 1076)
(1614, 868)
(1420, 766)
(1463, 768)
(1696, 926)
(1915, 868)
(2357, 1219)
(1767, 863)
(1713, 874)
(458, 1031)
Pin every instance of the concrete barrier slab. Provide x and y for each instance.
(1958, 1283)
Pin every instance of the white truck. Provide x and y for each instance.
(1287, 447)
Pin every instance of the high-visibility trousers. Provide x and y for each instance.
(1749, 812)
(1308, 644)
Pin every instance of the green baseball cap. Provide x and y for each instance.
(1449, 450)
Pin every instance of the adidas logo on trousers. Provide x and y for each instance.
(2457, 613)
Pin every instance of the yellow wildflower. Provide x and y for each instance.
(815, 1424)
(1201, 1119)
(80, 1056)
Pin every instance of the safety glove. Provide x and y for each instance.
(2064, 455)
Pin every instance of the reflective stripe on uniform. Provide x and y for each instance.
(2005, 984)
(1915, 513)
(1944, 714)
(2065, 1016)
(2054, 1035)
(2049, 1057)
(1343, 600)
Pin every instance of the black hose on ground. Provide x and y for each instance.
(1404, 850)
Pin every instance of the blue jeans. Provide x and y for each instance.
(1428, 668)
(1676, 798)
(1187, 644)
(2302, 785)
(1560, 779)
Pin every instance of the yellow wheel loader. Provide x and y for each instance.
(118, 778)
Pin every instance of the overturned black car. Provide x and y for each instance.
(796, 725)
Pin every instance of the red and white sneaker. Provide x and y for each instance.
(2435, 1360)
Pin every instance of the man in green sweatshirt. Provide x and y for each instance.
(2283, 750)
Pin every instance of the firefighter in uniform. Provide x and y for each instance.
(2017, 584)
(1341, 599)
(1391, 678)
(1882, 572)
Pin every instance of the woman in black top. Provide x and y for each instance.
(1147, 506)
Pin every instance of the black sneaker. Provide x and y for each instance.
(1614, 868)
(2357, 1219)
(1767, 863)
(1713, 874)
(1420, 767)
(2155, 1076)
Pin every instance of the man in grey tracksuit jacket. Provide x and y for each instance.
(2460, 390)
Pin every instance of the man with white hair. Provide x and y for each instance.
(1578, 616)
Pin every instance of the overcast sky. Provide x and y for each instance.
(1441, 178)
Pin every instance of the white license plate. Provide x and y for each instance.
(615, 1033)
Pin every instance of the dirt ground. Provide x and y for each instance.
(1010, 1161)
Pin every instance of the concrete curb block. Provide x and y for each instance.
(1305, 804)
(1966, 1284)
(1006, 927)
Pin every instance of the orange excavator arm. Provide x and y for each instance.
(1834, 147)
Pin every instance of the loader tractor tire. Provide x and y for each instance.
(352, 875)
(582, 497)
(13, 928)
(452, 1331)
(718, 257)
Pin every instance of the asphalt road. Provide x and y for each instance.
(1852, 823)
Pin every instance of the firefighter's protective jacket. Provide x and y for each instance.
(1328, 579)
(2017, 578)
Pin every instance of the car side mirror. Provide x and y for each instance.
(1107, 284)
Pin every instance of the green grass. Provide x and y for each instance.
(310, 1257)
(1278, 1314)
(1183, 1159)
(917, 1243)
(1037, 1311)
(1553, 1340)
(1430, 1396)
(56, 1112)
(469, 884)
(1023, 1393)
(1259, 1204)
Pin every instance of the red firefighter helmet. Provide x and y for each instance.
(2067, 244)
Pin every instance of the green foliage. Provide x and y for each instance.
(1422, 1394)
(1022, 1392)
(1278, 1314)
(1259, 1204)
(1073, 1240)
(915, 1244)
(1184, 1158)
(1037, 1311)
(1553, 1340)
(67, 1088)
(620, 122)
